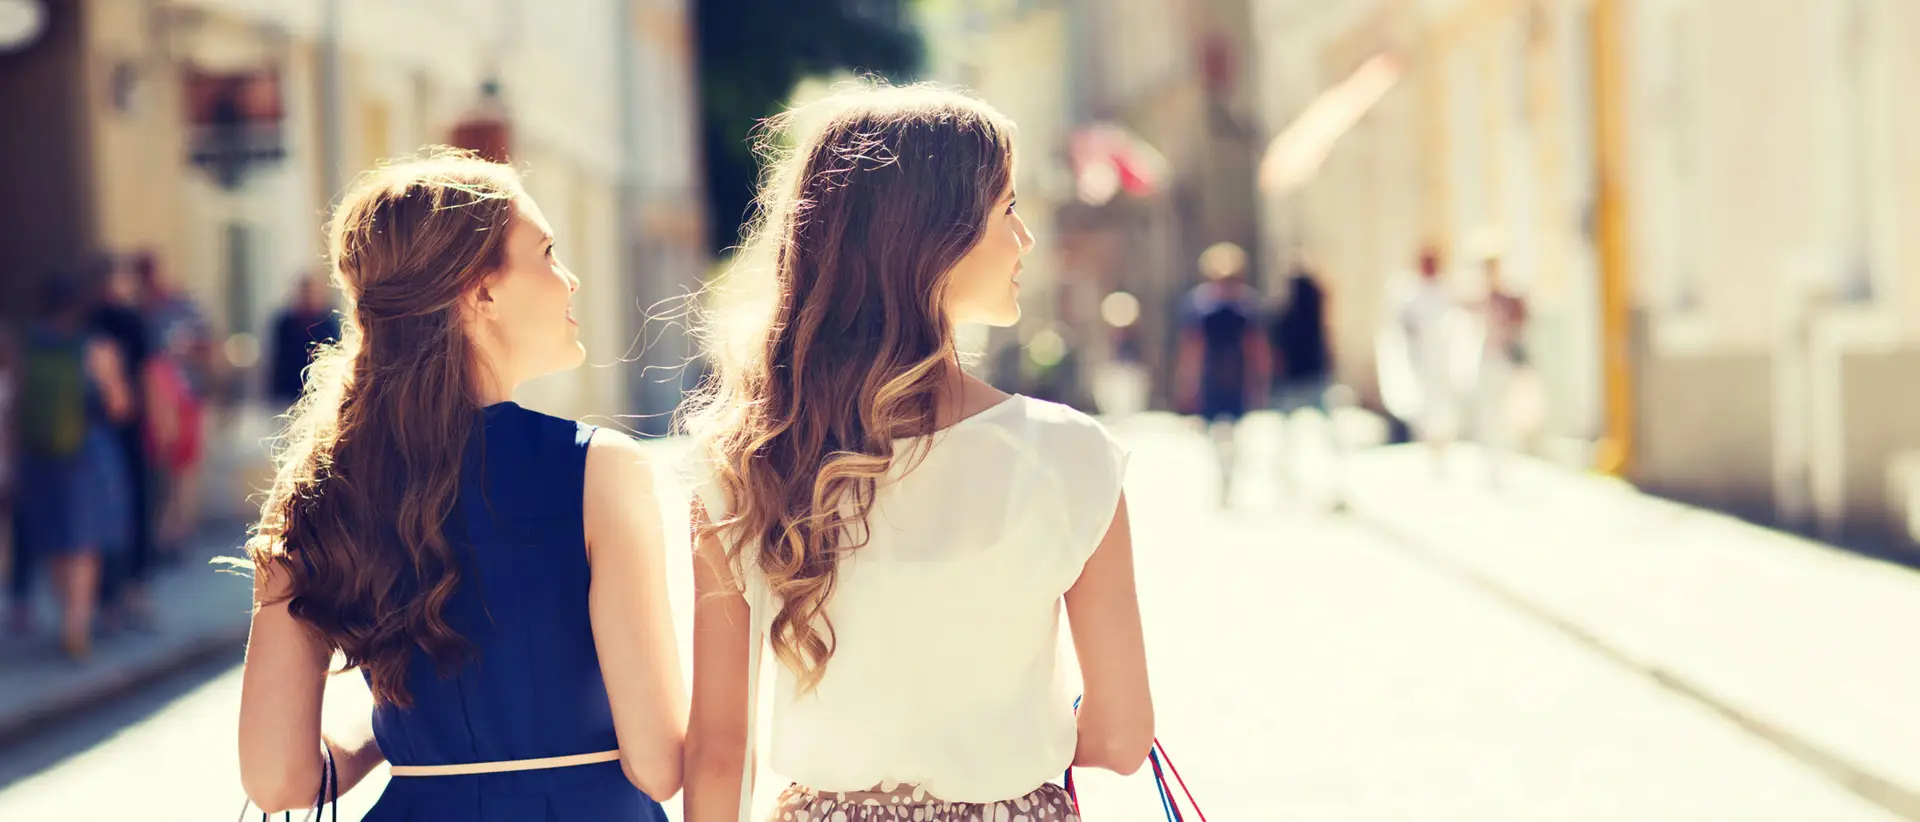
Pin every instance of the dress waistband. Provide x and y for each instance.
(504, 766)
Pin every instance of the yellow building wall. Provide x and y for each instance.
(141, 174)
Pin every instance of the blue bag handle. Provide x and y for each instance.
(1156, 756)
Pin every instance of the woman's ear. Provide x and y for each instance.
(480, 303)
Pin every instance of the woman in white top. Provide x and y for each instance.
(901, 533)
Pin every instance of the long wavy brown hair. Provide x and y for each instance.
(369, 464)
(870, 198)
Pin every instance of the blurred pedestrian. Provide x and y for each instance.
(849, 466)
(177, 383)
(75, 499)
(176, 437)
(118, 318)
(1223, 358)
(1123, 385)
(1427, 320)
(497, 575)
(175, 321)
(1503, 357)
(299, 330)
(1303, 369)
(10, 557)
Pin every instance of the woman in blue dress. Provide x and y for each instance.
(496, 574)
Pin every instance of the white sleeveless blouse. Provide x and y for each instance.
(948, 671)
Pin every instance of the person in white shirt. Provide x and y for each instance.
(1429, 320)
(902, 534)
(1503, 361)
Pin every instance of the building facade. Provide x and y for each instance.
(1703, 199)
(1016, 55)
(1776, 255)
(1484, 139)
(593, 102)
(1139, 136)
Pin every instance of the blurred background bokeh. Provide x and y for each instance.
(1702, 201)
(1685, 233)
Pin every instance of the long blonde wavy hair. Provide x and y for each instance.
(870, 198)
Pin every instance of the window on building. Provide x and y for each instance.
(1856, 53)
(1679, 77)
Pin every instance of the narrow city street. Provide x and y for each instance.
(1307, 665)
(1643, 257)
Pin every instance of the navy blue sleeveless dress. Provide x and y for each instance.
(533, 687)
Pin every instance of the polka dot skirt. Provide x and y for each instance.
(909, 803)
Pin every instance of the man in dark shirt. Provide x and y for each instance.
(1223, 359)
(118, 318)
(298, 332)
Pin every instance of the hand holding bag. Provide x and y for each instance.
(1162, 765)
(329, 795)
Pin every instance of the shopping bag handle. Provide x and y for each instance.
(1162, 764)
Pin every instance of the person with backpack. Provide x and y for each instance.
(74, 503)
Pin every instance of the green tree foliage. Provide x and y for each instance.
(752, 52)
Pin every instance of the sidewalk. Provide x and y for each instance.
(1310, 665)
(1802, 644)
(201, 613)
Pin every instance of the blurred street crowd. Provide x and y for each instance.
(1452, 362)
(105, 401)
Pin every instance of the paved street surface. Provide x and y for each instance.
(201, 614)
(1306, 665)
(1805, 644)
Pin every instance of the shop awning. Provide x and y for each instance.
(1109, 158)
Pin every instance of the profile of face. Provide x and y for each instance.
(984, 286)
(521, 317)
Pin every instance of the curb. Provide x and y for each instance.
(118, 682)
(1898, 799)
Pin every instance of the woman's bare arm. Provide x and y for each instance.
(717, 735)
(1103, 611)
(632, 620)
(283, 686)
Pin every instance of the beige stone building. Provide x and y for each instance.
(597, 97)
(1485, 132)
(1153, 85)
(1017, 56)
(1776, 254)
(1705, 200)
